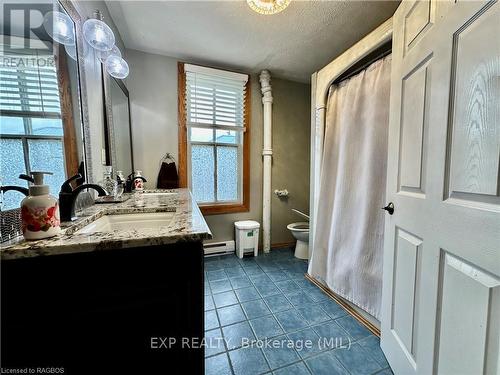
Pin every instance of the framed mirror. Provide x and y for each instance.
(43, 106)
(119, 152)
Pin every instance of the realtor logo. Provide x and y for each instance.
(25, 21)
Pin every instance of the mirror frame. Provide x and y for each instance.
(75, 16)
(12, 216)
(108, 120)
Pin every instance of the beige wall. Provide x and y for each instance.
(153, 93)
(291, 154)
(152, 86)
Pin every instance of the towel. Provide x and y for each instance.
(167, 177)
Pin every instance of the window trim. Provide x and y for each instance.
(70, 147)
(218, 208)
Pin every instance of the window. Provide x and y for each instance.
(31, 129)
(214, 137)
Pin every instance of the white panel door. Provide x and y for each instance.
(441, 282)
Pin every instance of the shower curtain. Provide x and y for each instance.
(348, 245)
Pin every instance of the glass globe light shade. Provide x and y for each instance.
(117, 67)
(71, 51)
(268, 7)
(60, 28)
(98, 35)
(103, 55)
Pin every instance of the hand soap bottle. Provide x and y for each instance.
(139, 181)
(40, 211)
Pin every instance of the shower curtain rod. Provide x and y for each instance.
(366, 62)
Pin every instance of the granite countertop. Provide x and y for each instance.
(187, 224)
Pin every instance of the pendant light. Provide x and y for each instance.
(117, 67)
(60, 28)
(98, 35)
(71, 50)
(103, 55)
(101, 38)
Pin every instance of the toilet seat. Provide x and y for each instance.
(299, 227)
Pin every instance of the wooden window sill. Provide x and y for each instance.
(217, 209)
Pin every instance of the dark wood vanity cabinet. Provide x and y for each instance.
(109, 311)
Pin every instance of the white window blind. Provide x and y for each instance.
(215, 98)
(28, 85)
(215, 108)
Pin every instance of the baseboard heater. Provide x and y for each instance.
(212, 248)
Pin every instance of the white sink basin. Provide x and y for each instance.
(111, 223)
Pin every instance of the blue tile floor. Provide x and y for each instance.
(263, 317)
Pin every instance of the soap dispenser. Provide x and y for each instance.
(139, 181)
(40, 211)
(108, 183)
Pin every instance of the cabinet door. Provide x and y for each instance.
(98, 312)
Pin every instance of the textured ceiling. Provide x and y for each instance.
(292, 44)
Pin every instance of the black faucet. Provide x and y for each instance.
(20, 189)
(68, 195)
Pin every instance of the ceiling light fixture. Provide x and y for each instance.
(103, 55)
(71, 50)
(101, 38)
(116, 67)
(268, 7)
(60, 28)
(98, 35)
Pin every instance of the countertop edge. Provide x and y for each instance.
(189, 226)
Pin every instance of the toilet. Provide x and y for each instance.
(300, 231)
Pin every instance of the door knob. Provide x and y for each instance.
(389, 208)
